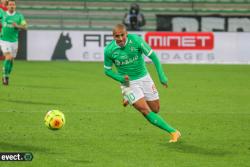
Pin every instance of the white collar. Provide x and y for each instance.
(11, 14)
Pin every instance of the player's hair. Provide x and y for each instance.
(7, 2)
(119, 26)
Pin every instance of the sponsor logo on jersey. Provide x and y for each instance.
(180, 40)
(123, 56)
(115, 54)
(127, 61)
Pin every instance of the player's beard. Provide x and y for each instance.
(122, 42)
(12, 10)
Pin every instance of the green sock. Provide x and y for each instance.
(10, 66)
(6, 67)
(158, 121)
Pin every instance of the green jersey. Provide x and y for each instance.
(128, 60)
(9, 32)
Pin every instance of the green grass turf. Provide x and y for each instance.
(209, 104)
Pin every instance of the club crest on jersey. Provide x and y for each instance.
(132, 49)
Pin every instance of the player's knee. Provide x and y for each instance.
(156, 109)
(143, 110)
(8, 56)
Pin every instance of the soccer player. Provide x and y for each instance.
(3, 5)
(126, 53)
(4, 8)
(12, 22)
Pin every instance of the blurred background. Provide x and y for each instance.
(103, 14)
(86, 27)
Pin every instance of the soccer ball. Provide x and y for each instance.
(54, 119)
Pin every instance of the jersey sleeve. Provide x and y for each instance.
(108, 68)
(1, 13)
(162, 76)
(145, 48)
(107, 60)
(22, 21)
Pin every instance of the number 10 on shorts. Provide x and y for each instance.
(130, 97)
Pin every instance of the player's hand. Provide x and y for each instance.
(15, 25)
(165, 85)
(19, 26)
(126, 80)
(164, 81)
(126, 77)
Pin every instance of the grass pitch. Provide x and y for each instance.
(209, 104)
